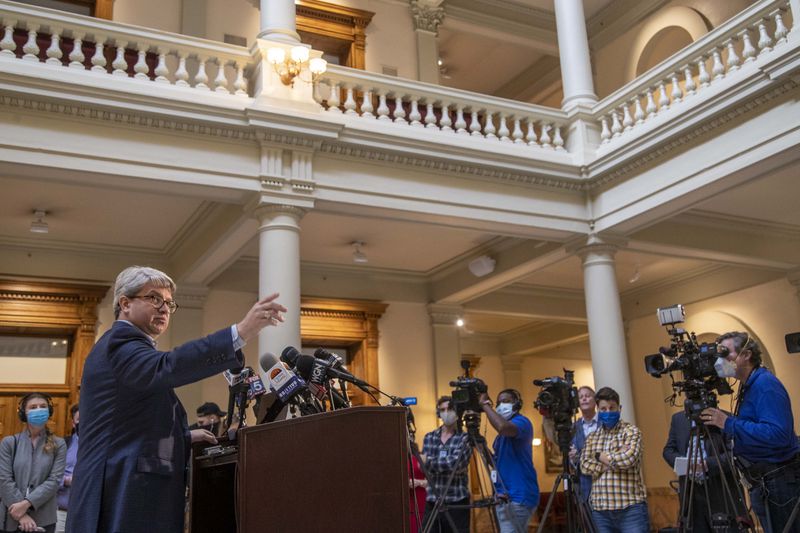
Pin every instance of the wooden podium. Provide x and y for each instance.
(342, 471)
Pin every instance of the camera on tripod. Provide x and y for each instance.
(696, 361)
(558, 401)
(467, 392)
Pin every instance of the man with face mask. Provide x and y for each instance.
(762, 428)
(447, 450)
(513, 450)
(613, 457)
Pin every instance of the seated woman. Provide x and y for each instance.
(31, 466)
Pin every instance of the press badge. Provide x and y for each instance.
(442, 454)
(493, 476)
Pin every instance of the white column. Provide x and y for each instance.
(606, 331)
(279, 271)
(278, 21)
(446, 345)
(795, 7)
(427, 16)
(573, 51)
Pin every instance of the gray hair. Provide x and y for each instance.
(132, 279)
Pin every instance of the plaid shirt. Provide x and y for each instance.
(441, 460)
(620, 484)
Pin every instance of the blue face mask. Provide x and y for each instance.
(609, 419)
(38, 417)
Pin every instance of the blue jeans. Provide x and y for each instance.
(513, 517)
(632, 519)
(780, 497)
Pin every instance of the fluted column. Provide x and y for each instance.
(573, 52)
(279, 271)
(278, 21)
(604, 314)
(446, 345)
(427, 16)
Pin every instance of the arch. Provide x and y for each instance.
(677, 16)
(708, 323)
(663, 44)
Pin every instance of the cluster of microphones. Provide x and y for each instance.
(302, 383)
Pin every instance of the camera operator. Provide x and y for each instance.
(583, 427)
(613, 457)
(513, 449)
(762, 429)
(447, 452)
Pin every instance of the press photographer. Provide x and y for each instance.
(513, 450)
(762, 429)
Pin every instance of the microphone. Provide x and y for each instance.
(282, 381)
(335, 360)
(316, 372)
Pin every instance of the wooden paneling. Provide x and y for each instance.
(337, 30)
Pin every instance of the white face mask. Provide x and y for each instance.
(506, 410)
(725, 368)
(449, 418)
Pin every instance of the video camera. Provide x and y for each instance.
(558, 401)
(694, 360)
(467, 392)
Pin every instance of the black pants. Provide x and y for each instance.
(459, 518)
(777, 495)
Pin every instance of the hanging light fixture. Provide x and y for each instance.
(39, 225)
(359, 256)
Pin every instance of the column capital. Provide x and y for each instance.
(442, 314)
(606, 244)
(268, 212)
(427, 15)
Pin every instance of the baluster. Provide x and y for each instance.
(383, 108)
(503, 132)
(764, 40)
(638, 113)
(530, 136)
(366, 105)
(780, 27)
(399, 110)
(717, 68)
(445, 122)
(119, 63)
(76, 57)
(161, 70)
(181, 74)
(627, 121)
(517, 134)
(240, 85)
(220, 81)
(663, 99)
(605, 133)
(558, 141)
(749, 51)
(140, 68)
(544, 138)
(30, 48)
(201, 78)
(414, 116)
(488, 128)
(702, 74)
(333, 97)
(689, 85)
(7, 45)
(461, 124)
(350, 102)
(474, 123)
(733, 60)
(677, 94)
(98, 59)
(54, 52)
(430, 117)
(616, 126)
(651, 108)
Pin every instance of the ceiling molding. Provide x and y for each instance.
(739, 224)
(618, 17)
(83, 248)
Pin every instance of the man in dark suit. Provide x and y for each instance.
(709, 472)
(135, 441)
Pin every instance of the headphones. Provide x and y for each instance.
(517, 405)
(24, 400)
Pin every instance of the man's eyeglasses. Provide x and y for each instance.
(157, 302)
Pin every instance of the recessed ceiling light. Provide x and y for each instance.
(359, 256)
(39, 225)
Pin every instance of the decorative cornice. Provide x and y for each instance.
(426, 17)
(445, 314)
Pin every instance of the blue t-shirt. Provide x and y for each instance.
(514, 456)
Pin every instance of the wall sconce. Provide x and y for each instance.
(290, 68)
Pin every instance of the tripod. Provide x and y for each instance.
(702, 450)
(483, 457)
(575, 505)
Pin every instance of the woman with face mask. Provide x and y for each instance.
(31, 466)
